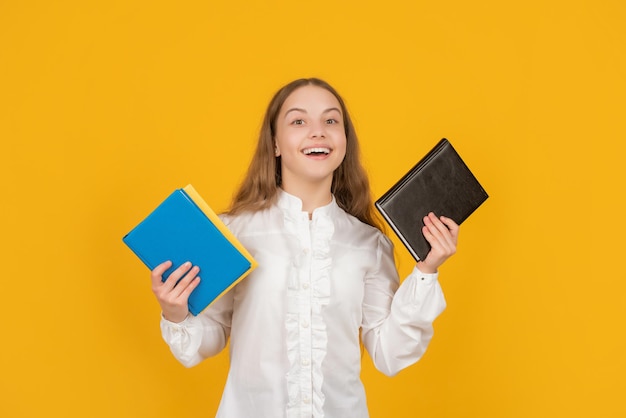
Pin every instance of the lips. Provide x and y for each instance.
(316, 151)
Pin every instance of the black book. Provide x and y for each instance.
(441, 183)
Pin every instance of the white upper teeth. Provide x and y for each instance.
(316, 150)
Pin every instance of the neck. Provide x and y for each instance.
(313, 195)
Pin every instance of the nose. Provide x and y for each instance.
(318, 130)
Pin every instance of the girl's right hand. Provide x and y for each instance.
(173, 293)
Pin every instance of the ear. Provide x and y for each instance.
(276, 150)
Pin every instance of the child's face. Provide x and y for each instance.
(310, 136)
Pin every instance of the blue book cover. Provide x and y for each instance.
(184, 228)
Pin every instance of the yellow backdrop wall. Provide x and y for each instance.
(105, 107)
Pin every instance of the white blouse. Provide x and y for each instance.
(294, 322)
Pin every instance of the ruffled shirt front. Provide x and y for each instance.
(294, 323)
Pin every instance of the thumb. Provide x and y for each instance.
(156, 275)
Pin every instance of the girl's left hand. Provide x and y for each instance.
(442, 234)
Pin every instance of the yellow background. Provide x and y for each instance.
(105, 107)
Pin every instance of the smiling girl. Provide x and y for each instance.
(326, 279)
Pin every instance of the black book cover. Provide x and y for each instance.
(441, 183)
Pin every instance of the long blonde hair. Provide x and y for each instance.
(350, 184)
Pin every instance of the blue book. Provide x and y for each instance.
(184, 228)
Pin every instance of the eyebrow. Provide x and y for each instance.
(297, 109)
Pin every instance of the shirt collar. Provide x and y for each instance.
(293, 204)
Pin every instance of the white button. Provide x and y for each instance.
(306, 400)
(306, 250)
(305, 285)
(304, 324)
(305, 362)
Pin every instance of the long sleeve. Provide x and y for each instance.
(397, 322)
(202, 336)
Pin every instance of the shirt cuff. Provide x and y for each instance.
(181, 324)
(425, 277)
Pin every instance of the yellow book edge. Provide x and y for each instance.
(221, 226)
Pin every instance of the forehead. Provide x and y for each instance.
(310, 98)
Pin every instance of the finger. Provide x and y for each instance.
(441, 241)
(171, 281)
(190, 288)
(156, 276)
(437, 242)
(437, 222)
(441, 249)
(448, 228)
(437, 230)
(435, 256)
(452, 226)
(185, 282)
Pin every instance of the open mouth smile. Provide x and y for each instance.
(317, 151)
